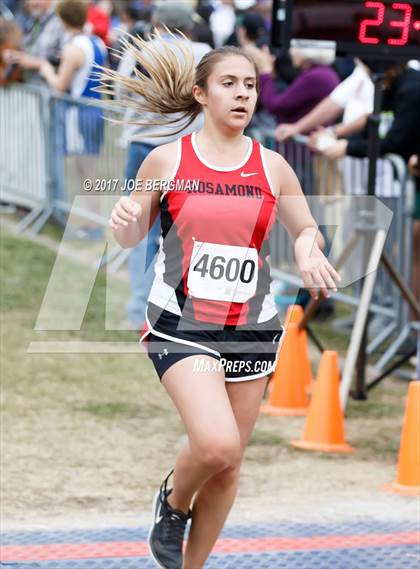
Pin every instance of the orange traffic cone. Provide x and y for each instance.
(324, 428)
(408, 471)
(294, 316)
(288, 396)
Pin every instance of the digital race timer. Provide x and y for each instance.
(358, 27)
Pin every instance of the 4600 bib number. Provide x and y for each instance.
(222, 272)
(230, 269)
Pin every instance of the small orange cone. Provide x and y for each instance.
(324, 428)
(288, 396)
(408, 471)
(293, 316)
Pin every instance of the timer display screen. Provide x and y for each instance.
(357, 26)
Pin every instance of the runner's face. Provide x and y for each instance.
(231, 92)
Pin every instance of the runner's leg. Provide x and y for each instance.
(214, 500)
(213, 437)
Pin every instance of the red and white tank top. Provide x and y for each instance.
(213, 262)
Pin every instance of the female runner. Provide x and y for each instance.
(212, 329)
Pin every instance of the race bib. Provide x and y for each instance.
(222, 272)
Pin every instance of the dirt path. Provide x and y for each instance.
(87, 441)
(66, 469)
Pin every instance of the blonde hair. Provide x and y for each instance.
(163, 80)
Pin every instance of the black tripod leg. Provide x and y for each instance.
(387, 372)
(314, 338)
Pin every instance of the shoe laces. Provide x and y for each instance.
(173, 528)
(174, 523)
(164, 486)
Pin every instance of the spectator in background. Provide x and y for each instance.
(352, 99)
(222, 21)
(146, 6)
(82, 53)
(44, 36)
(98, 21)
(265, 7)
(402, 97)
(201, 31)
(133, 21)
(315, 81)
(10, 38)
(142, 140)
(79, 57)
(250, 32)
(80, 126)
(204, 8)
(84, 126)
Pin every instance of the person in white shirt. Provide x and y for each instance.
(222, 21)
(353, 99)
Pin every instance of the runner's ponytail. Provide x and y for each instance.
(161, 82)
(163, 78)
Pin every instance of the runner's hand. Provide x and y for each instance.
(336, 150)
(285, 131)
(25, 60)
(318, 274)
(124, 212)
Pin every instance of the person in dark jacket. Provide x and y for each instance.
(250, 31)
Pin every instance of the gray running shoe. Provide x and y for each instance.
(166, 535)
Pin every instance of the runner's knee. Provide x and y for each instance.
(227, 477)
(219, 453)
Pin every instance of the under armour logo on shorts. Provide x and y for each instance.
(164, 353)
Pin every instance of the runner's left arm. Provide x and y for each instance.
(295, 215)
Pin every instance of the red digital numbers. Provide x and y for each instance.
(363, 37)
(403, 24)
(403, 10)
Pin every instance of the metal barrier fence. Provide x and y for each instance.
(89, 154)
(327, 183)
(59, 155)
(24, 144)
(56, 153)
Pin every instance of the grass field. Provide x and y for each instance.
(93, 433)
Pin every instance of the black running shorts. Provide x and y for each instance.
(242, 352)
